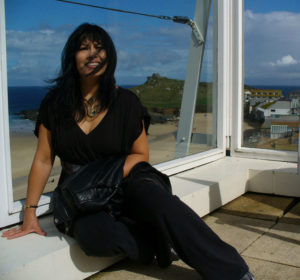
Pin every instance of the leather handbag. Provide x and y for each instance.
(63, 216)
(144, 171)
(92, 188)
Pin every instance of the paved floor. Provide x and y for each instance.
(265, 229)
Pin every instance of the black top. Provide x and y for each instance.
(114, 135)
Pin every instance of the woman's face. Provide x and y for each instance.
(90, 56)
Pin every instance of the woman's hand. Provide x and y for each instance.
(30, 225)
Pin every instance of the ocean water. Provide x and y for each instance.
(26, 98)
(29, 98)
(23, 98)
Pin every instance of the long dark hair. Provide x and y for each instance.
(67, 97)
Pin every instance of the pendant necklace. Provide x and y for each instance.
(92, 107)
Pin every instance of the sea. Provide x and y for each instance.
(26, 98)
(29, 98)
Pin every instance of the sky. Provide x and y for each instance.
(36, 32)
(271, 42)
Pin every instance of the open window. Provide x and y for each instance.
(267, 93)
(178, 79)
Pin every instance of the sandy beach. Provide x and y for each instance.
(22, 147)
(161, 138)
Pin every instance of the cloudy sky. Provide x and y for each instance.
(272, 53)
(37, 31)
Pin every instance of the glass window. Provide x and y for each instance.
(204, 134)
(272, 64)
(152, 59)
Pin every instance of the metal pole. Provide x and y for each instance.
(192, 81)
(214, 137)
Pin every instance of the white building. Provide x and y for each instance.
(278, 108)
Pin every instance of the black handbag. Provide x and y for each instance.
(92, 188)
(63, 216)
(144, 171)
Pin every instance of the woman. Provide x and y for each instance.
(84, 117)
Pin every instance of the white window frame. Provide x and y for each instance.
(237, 23)
(11, 211)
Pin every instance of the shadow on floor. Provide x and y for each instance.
(252, 225)
(178, 270)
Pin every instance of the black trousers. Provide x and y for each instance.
(159, 214)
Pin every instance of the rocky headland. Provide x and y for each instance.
(28, 114)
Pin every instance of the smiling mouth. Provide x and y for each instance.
(95, 66)
(92, 65)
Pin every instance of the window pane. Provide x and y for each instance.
(204, 135)
(152, 58)
(272, 80)
(163, 95)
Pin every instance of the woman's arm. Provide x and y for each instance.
(139, 152)
(38, 177)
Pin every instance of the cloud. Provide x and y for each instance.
(285, 61)
(161, 50)
(34, 55)
(141, 63)
(271, 53)
(34, 41)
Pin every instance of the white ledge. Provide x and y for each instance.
(203, 188)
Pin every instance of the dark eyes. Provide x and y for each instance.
(87, 47)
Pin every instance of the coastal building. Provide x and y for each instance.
(295, 94)
(253, 99)
(262, 95)
(247, 95)
(295, 106)
(279, 119)
(279, 108)
(283, 126)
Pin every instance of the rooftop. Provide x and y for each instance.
(281, 105)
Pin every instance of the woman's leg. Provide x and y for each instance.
(195, 243)
(101, 235)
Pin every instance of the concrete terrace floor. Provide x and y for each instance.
(265, 229)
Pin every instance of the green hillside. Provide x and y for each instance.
(163, 93)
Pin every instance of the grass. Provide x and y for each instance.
(161, 92)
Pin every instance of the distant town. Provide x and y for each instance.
(271, 119)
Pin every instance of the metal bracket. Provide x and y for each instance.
(196, 31)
